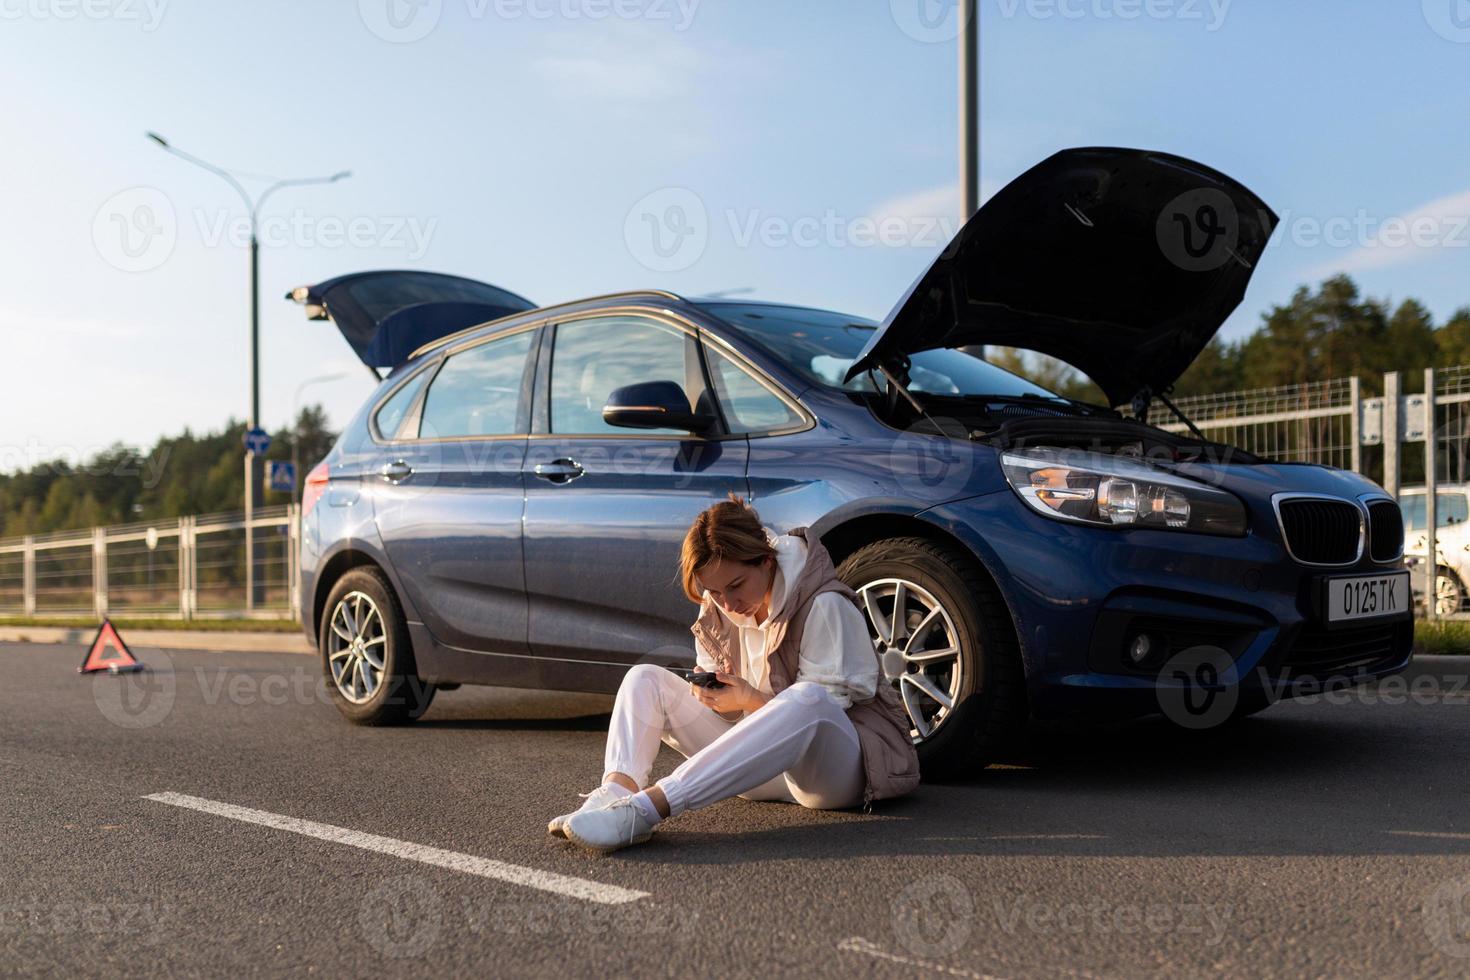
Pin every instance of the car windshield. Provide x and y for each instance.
(821, 345)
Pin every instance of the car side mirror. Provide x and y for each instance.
(654, 405)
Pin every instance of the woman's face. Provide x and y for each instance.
(737, 586)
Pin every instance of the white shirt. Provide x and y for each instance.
(836, 650)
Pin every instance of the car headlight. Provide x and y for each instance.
(1114, 491)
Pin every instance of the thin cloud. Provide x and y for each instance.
(1424, 233)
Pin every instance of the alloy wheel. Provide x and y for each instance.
(918, 649)
(355, 647)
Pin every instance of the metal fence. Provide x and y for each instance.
(211, 566)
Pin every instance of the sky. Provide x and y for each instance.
(804, 152)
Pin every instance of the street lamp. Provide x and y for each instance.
(253, 490)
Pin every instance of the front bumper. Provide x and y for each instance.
(1077, 594)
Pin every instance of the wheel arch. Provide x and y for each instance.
(846, 535)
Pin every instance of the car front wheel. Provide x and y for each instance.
(944, 638)
(367, 656)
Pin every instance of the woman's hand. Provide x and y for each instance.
(737, 695)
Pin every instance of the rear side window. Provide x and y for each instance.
(395, 410)
(478, 391)
(749, 405)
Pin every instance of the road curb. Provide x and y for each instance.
(244, 642)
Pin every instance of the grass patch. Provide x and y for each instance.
(1442, 636)
(191, 625)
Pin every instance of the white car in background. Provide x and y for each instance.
(1452, 542)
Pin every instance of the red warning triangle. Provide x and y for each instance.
(108, 652)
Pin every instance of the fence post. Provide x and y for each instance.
(1392, 433)
(183, 570)
(28, 575)
(1431, 460)
(1355, 387)
(190, 580)
(293, 558)
(99, 571)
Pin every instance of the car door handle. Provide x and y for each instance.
(563, 470)
(396, 471)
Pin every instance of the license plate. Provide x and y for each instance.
(1367, 596)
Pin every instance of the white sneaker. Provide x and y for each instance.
(598, 798)
(608, 828)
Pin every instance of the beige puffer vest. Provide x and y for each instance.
(890, 761)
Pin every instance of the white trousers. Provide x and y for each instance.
(800, 747)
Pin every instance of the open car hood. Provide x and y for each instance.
(1123, 263)
(386, 316)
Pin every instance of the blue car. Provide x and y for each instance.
(507, 508)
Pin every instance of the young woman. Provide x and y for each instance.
(801, 713)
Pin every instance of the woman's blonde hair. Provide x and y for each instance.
(730, 530)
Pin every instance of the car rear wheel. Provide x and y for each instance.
(944, 638)
(367, 656)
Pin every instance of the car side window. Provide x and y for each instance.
(393, 411)
(591, 357)
(749, 405)
(477, 391)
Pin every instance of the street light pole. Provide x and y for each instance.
(254, 496)
(969, 45)
(969, 109)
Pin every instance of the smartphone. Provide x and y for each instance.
(705, 678)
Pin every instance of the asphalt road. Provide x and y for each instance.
(1315, 839)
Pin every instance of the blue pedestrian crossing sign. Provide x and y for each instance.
(257, 441)
(283, 476)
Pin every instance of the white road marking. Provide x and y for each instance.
(547, 881)
(1446, 835)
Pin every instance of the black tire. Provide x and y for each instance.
(989, 706)
(399, 695)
